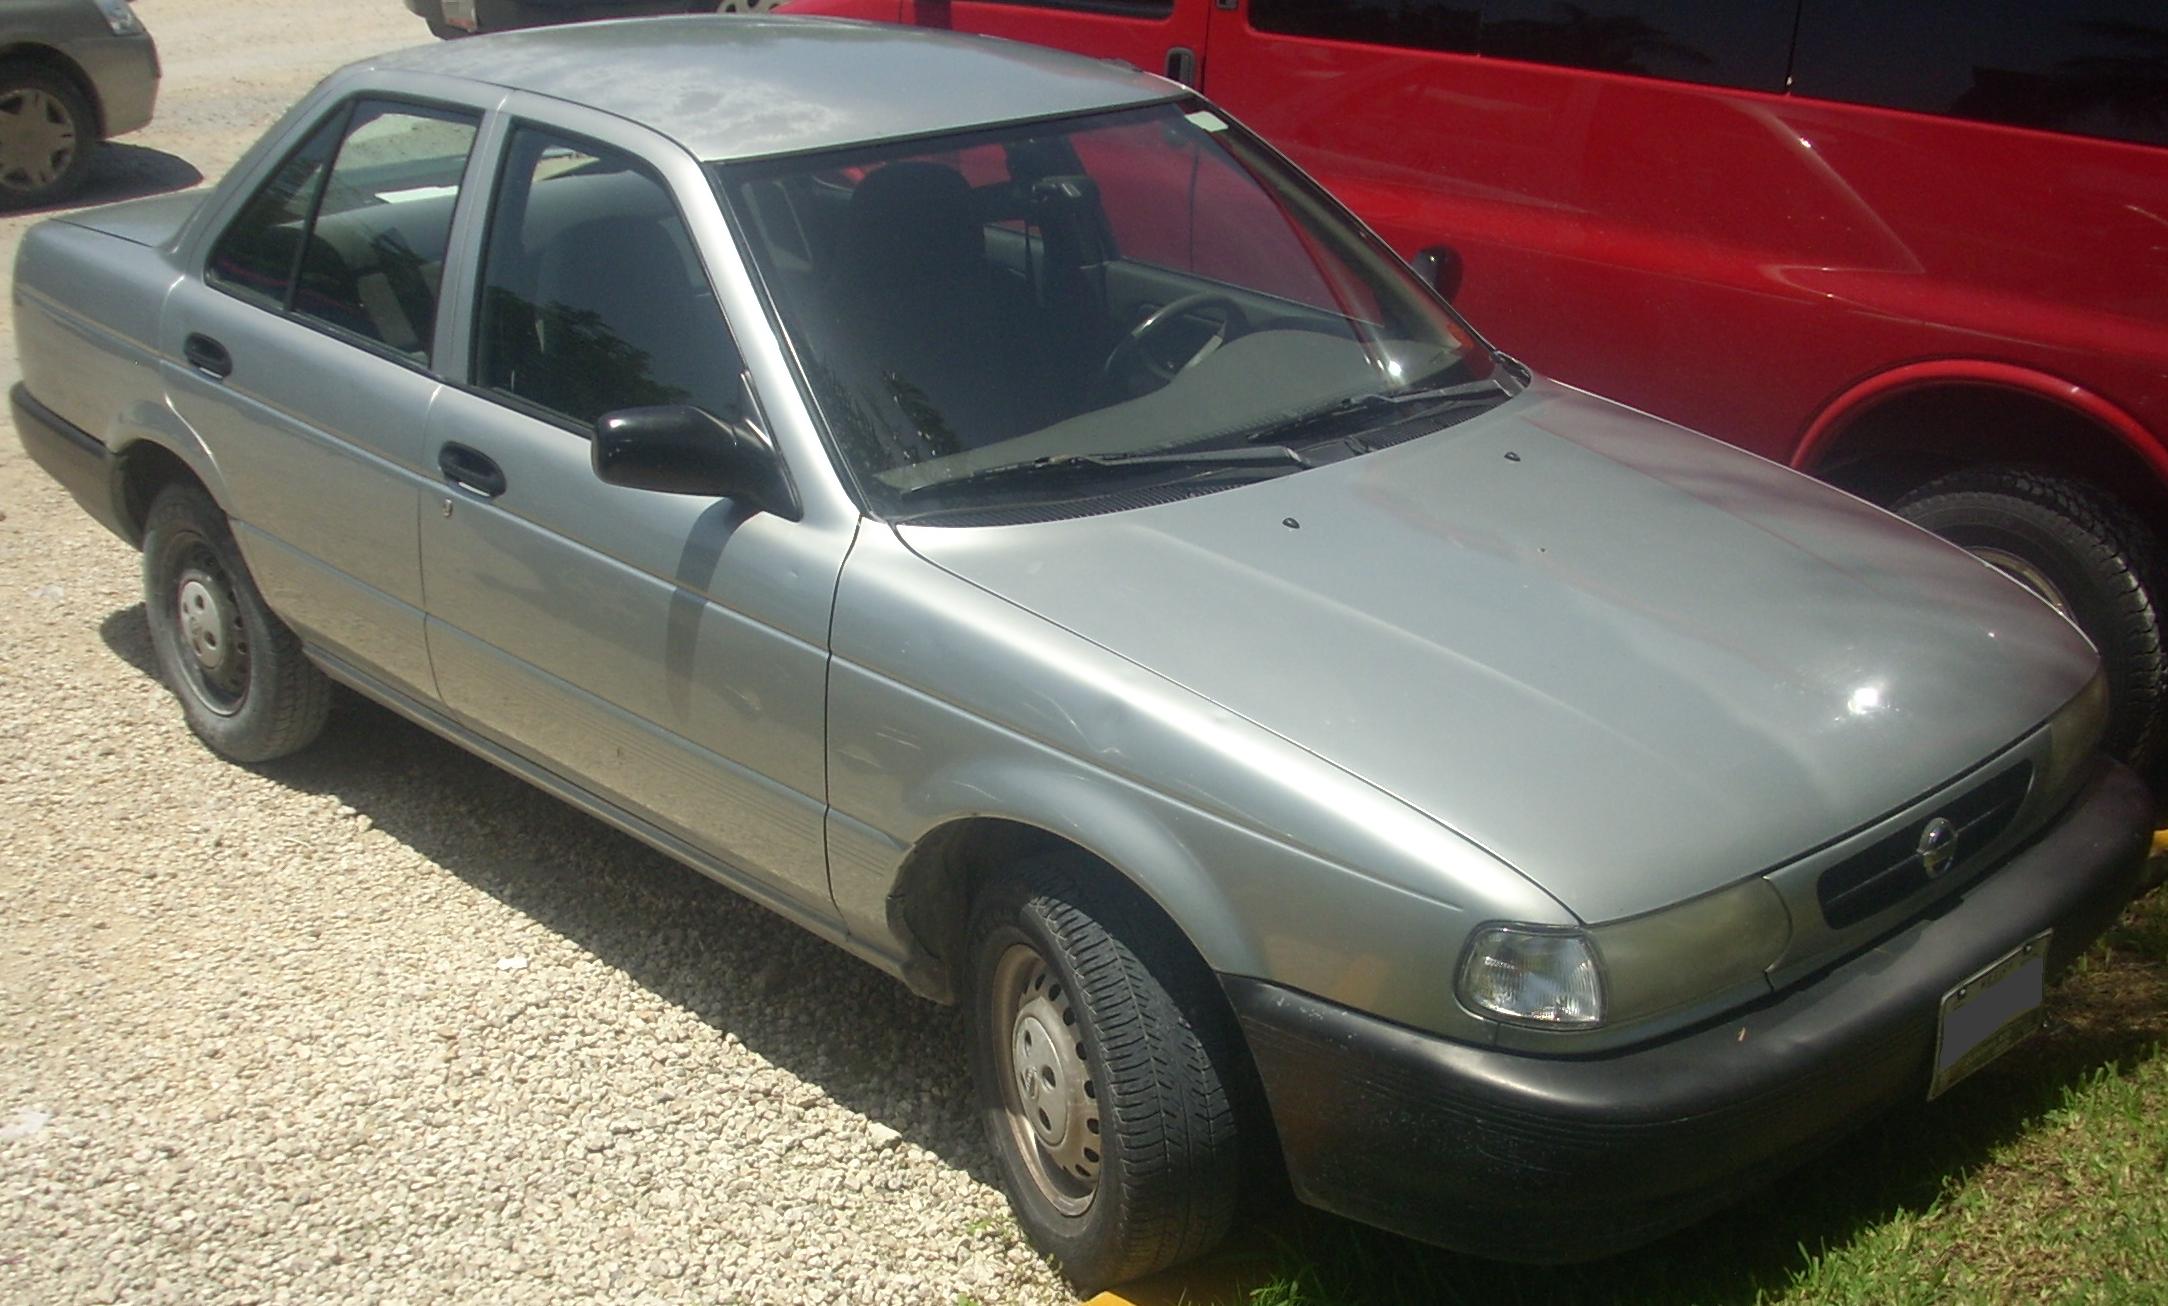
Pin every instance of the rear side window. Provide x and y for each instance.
(2089, 67)
(255, 257)
(357, 246)
(1415, 24)
(1741, 43)
(593, 298)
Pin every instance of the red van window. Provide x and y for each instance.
(1262, 250)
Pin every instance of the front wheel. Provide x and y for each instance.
(1105, 1062)
(245, 686)
(2086, 555)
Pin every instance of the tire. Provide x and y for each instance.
(2085, 553)
(245, 686)
(1145, 1062)
(48, 135)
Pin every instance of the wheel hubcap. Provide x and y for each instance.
(2026, 574)
(208, 620)
(37, 139)
(1053, 1101)
(203, 622)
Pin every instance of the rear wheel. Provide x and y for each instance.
(1106, 1068)
(2084, 553)
(47, 135)
(244, 684)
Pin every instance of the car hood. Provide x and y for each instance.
(1632, 662)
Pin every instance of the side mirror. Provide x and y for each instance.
(679, 449)
(1439, 265)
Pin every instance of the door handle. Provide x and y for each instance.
(1182, 65)
(207, 356)
(471, 470)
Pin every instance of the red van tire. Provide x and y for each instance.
(2086, 553)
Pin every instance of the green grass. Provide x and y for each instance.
(2043, 1178)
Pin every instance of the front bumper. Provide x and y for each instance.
(1547, 1159)
(124, 72)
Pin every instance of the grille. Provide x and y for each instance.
(1889, 870)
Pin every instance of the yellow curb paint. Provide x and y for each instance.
(2160, 842)
(1225, 1278)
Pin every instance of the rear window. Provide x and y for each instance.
(2088, 67)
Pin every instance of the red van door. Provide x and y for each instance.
(1551, 162)
(1158, 36)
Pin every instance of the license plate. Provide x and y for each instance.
(1990, 1013)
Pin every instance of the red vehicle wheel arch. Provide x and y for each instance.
(1825, 434)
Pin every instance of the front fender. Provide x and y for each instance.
(948, 704)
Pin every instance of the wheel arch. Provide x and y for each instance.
(1903, 427)
(49, 57)
(928, 906)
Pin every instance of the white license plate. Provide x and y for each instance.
(1990, 1013)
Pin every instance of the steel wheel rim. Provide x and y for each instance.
(206, 622)
(37, 139)
(1050, 1099)
(2025, 573)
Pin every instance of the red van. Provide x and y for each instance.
(1919, 249)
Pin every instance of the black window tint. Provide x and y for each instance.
(2090, 67)
(375, 253)
(255, 255)
(1743, 43)
(592, 296)
(1140, 8)
(1417, 24)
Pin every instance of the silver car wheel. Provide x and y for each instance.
(1052, 1098)
(37, 139)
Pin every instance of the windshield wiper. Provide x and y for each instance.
(1064, 465)
(1434, 399)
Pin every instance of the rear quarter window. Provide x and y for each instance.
(2087, 67)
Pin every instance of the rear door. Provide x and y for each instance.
(301, 350)
(1158, 36)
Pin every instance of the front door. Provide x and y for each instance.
(667, 653)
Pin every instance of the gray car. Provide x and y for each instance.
(73, 73)
(988, 507)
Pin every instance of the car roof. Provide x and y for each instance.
(740, 86)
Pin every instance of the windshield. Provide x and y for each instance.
(1039, 315)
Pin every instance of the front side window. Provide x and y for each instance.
(593, 298)
(354, 237)
(1052, 313)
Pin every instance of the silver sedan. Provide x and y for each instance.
(990, 508)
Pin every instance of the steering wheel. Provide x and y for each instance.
(1232, 322)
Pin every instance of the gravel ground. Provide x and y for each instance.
(380, 1023)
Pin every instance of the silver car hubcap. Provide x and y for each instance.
(1052, 1100)
(37, 139)
(208, 621)
(2026, 574)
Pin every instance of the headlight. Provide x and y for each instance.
(119, 17)
(1629, 970)
(2075, 733)
(1543, 978)
(1700, 948)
